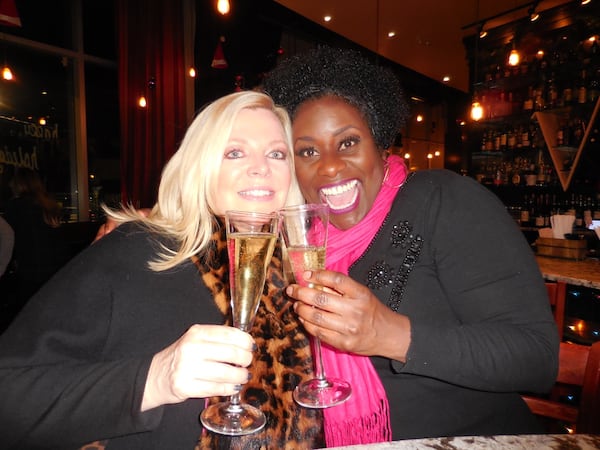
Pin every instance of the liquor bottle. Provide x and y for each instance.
(594, 86)
(551, 92)
(528, 103)
(582, 87)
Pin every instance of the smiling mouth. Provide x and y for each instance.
(342, 197)
(257, 193)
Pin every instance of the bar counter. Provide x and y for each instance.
(579, 273)
(525, 442)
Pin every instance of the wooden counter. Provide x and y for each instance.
(525, 442)
(579, 273)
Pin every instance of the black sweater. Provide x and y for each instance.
(481, 323)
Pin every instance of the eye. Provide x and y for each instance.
(234, 153)
(306, 152)
(278, 154)
(349, 142)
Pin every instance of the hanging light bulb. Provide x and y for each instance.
(192, 72)
(142, 101)
(7, 73)
(514, 58)
(223, 6)
(476, 111)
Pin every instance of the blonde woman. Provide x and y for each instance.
(126, 344)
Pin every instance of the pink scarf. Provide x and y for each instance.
(365, 417)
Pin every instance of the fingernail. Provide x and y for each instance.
(289, 290)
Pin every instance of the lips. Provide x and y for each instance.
(257, 194)
(342, 197)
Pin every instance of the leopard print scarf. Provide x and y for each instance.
(283, 360)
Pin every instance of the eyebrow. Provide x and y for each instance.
(335, 133)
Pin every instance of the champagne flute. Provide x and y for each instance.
(304, 231)
(251, 239)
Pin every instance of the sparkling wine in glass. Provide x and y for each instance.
(304, 231)
(251, 239)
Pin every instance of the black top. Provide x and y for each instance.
(102, 318)
(451, 258)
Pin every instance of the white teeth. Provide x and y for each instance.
(337, 190)
(257, 193)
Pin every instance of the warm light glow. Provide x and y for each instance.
(42, 121)
(534, 16)
(476, 111)
(192, 72)
(539, 54)
(407, 156)
(437, 153)
(142, 102)
(419, 118)
(223, 6)
(446, 78)
(592, 38)
(391, 34)
(7, 73)
(514, 58)
(429, 156)
(585, 2)
(327, 18)
(482, 34)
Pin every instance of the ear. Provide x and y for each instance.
(385, 154)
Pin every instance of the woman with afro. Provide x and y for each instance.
(434, 308)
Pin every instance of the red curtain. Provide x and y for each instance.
(151, 63)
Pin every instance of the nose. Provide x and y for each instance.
(330, 165)
(259, 166)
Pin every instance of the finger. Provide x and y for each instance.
(335, 281)
(215, 352)
(215, 372)
(222, 334)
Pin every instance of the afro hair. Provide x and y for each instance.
(374, 90)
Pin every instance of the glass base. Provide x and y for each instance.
(233, 420)
(317, 393)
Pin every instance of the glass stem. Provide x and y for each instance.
(319, 371)
(234, 402)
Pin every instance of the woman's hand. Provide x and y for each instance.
(346, 315)
(208, 360)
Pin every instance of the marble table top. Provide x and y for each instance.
(524, 442)
(580, 273)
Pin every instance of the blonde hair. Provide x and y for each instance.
(186, 202)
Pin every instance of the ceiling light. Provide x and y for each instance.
(446, 78)
(327, 18)
(223, 6)
(534, 16)
(7, 73)
(482, 32)
(391, 34)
